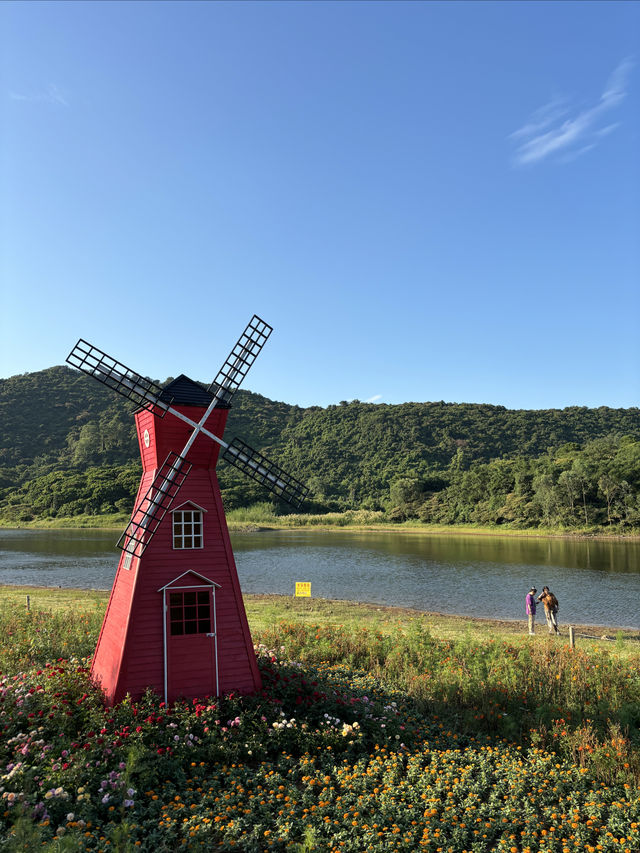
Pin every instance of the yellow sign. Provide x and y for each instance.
(303, 589)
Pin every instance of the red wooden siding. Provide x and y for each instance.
(130, 655)
(170, 433)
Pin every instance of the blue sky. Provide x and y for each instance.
(428, 201)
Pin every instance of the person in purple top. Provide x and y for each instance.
(530, 607)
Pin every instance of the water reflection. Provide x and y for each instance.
(618, 556)
(597, 582)
(71, 558)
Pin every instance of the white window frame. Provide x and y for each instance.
(178, 518)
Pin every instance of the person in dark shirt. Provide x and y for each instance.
(550, 609)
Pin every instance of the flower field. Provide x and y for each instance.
(359, 741)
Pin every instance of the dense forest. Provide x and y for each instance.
(68, 447)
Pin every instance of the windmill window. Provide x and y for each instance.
(187, 529)
(189, 613)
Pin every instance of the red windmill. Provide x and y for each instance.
(176, 621)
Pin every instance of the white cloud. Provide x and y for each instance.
(374, 399)
(559, 128)
(573, 155)
(542, 118)
(608, 129)
(52, 95)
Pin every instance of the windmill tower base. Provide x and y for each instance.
(176, 621)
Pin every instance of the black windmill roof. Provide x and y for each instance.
(185, 392)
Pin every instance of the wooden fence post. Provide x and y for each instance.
(572, 640)
(28, 604)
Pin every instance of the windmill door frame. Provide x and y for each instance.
(199, 585)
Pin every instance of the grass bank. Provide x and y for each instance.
(263, 518)
(115, 521)
(266, 611)
(377, 729)
(262, 515)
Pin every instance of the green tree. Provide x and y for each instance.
(546, 497)
(583, 473)
(405, 495)
(570, 489)
(88, 446)
(609, 488)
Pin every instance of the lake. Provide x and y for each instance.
(596, 581)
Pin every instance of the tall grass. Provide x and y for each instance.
(264, 514)
(260, 513)
(35, 637)
(585, 705)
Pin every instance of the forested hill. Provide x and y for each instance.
(67, 446)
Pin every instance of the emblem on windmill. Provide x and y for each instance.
(176, 621)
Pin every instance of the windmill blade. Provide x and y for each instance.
(240, 360)
(94, 362)
(154, 505)
(259, 468)
(145, 393)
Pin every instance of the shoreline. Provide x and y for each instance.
(511, 626)
(384, 527)
(288, 602)
(439, 531)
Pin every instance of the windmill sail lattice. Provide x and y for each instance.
(259, 468)
(118, 376)
(240, 360)
(171, 475)
(154, 505)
